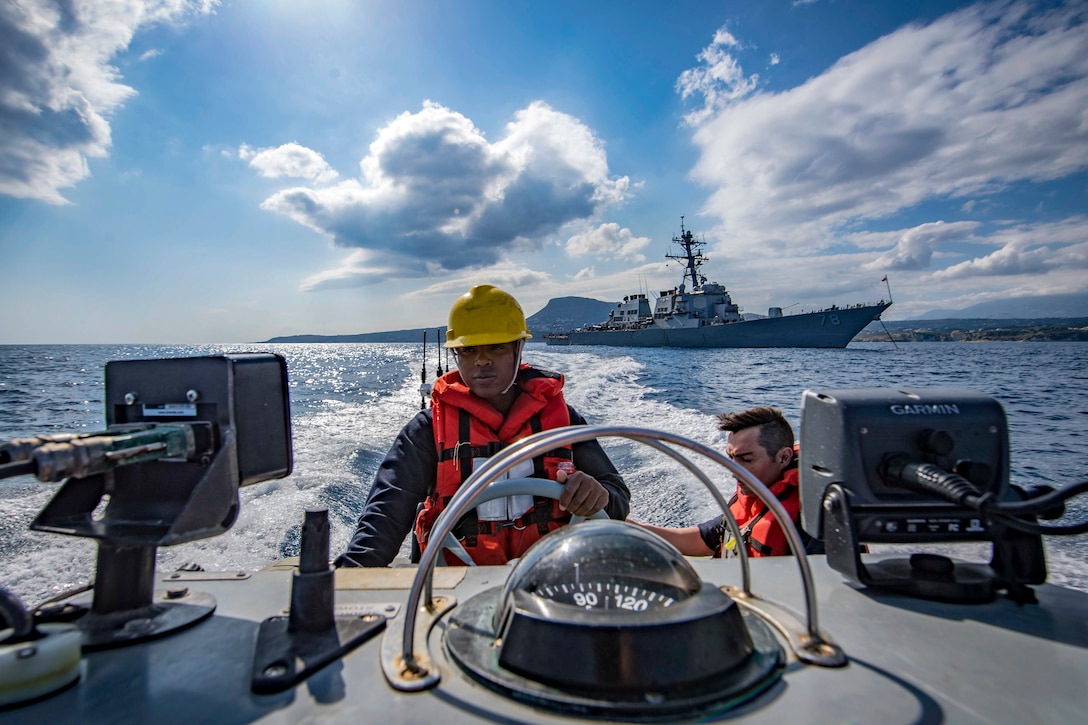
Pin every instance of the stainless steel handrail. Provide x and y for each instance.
(420, 596)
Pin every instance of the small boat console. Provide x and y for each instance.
(600, 620)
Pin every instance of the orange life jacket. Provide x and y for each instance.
(759, 528)
(466, 427)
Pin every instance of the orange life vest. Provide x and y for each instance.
(759, 528)
(466, 427)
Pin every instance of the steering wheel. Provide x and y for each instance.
(511, 487)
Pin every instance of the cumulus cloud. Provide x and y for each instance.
(435, 195)
(504, 275)
(719, 80)
(1013, 259)
(58, 87)
(358, 269)
(290, 160)
(608, 240)
(983, 98)
(914, 248)
(1059, 246)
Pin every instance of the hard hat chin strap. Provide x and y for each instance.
(517, 366)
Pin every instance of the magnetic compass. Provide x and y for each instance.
(605, 617)
(608, 594)
(600, 565)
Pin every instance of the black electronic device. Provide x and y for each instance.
(846, 436)
(898, 466)
(182, 435)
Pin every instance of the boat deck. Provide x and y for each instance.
(910, 661)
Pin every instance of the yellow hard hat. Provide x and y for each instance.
(485, 315)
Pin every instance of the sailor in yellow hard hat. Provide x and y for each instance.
(484, 323)
(490, 400)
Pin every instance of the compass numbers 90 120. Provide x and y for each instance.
(606, 595)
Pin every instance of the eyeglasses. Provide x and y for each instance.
(490, 351)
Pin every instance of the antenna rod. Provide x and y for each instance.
(423, 371)
(423, 387)
(438, 337)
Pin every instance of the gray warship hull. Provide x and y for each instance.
(833, 328)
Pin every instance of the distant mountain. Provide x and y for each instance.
(415, 335)
(562, 314)
(1042, 306)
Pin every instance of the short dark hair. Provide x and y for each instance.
(775, 432)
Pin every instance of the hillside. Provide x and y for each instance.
(566, 313)
(1047, 329)
(415, 335)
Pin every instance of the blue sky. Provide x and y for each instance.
(224, 171)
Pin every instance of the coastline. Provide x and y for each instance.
(989, 330)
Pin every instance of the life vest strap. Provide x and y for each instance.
(464, 451)
(746, 532)
(469, 526)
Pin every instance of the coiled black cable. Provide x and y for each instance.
(931, 479)
(1035, 505)
(990, 510)
(934, 480)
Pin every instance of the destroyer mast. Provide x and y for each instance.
(692, 256)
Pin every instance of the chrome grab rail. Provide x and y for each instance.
(410, 671)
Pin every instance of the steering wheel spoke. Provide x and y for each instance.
(541, 487)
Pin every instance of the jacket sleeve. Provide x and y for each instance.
(591, 458)
(711, 531)
(404, 479)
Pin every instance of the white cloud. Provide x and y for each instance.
(290, 160)
(1006, 261)
(1061, 247)
(58, 88)
(532, 288)
(520, 280)
(719, 81)
(978, 100)
(610, 241)
(356, 270)
(436, 196)
(914, 248)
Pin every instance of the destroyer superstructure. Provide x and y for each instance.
(699, 313)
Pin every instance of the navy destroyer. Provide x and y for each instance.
(699, 313)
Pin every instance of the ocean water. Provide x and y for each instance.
(348, 401)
